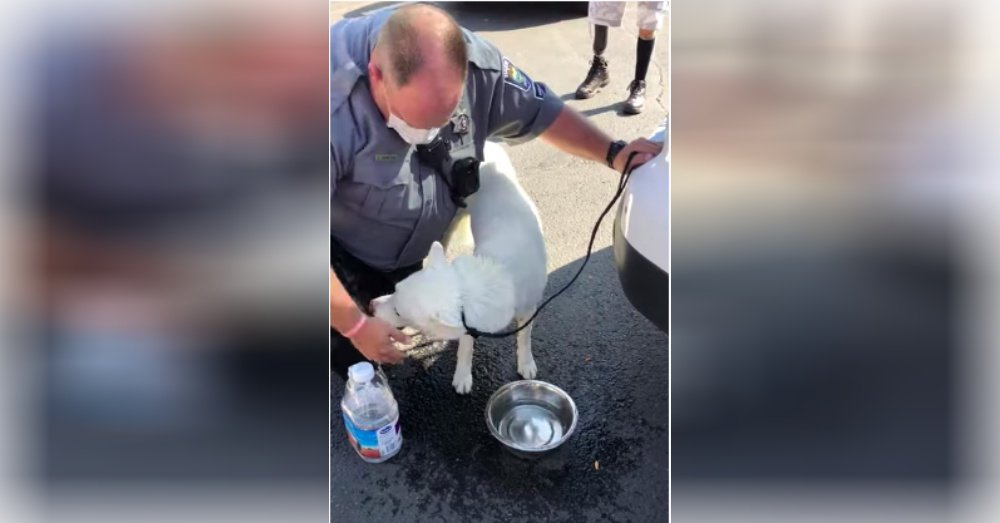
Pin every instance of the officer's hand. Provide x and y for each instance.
(376, 340)
(646, 150)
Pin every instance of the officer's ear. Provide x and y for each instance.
(375, 73)
(436, 256)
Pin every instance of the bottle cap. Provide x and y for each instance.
(361, 372)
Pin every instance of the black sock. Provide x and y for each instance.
(600, 39)
(643, 52)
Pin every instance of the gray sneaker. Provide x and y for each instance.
(596, 78)
(636, 97)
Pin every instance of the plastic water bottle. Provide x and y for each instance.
(371, 414)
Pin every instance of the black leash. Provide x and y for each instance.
(622, 182)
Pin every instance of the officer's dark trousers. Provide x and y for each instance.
(364, 284)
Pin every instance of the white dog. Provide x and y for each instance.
(503, 280)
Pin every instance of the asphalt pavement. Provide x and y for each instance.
(589, 341)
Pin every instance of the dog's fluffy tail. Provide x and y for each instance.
(458, 237)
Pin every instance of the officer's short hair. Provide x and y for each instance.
(398, 38)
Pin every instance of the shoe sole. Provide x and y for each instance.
(584, 96)
(633, 110)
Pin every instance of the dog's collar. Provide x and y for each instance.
(472, 331)
(476, 333)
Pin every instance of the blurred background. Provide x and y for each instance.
(834, 261)
(166, 248)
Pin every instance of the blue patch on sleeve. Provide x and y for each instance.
(539, 91)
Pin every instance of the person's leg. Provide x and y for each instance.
(600, 39)
(650, 19)
(597, 76)
(636, 100)
(601, 15)
(643, 52)
(364, 284)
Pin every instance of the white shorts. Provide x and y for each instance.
(650, 16)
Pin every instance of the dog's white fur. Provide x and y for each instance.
(504, 279)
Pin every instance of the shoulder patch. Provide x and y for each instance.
(514, 76)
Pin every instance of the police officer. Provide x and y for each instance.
(404, 82)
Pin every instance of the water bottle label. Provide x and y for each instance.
(374, 444)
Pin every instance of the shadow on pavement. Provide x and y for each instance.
(591, 343)
(612, 107)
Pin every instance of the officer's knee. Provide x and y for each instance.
(647, 34)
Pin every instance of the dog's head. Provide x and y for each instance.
(429, 300)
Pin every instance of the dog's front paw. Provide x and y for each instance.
(527, 369)
(462, 382)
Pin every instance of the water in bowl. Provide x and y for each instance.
(531, 425)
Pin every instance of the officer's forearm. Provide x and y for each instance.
(343, 312)
(575, 134)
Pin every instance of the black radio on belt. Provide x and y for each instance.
(461, 175)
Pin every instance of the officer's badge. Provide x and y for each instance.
(461, 123)
(514, 76)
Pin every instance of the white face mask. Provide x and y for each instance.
(411, 135)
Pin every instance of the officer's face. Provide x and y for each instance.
(428, 99)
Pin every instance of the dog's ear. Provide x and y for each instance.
(436, 256)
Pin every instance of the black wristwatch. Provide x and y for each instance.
(613, 150)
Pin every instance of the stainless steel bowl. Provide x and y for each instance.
(531, 418)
